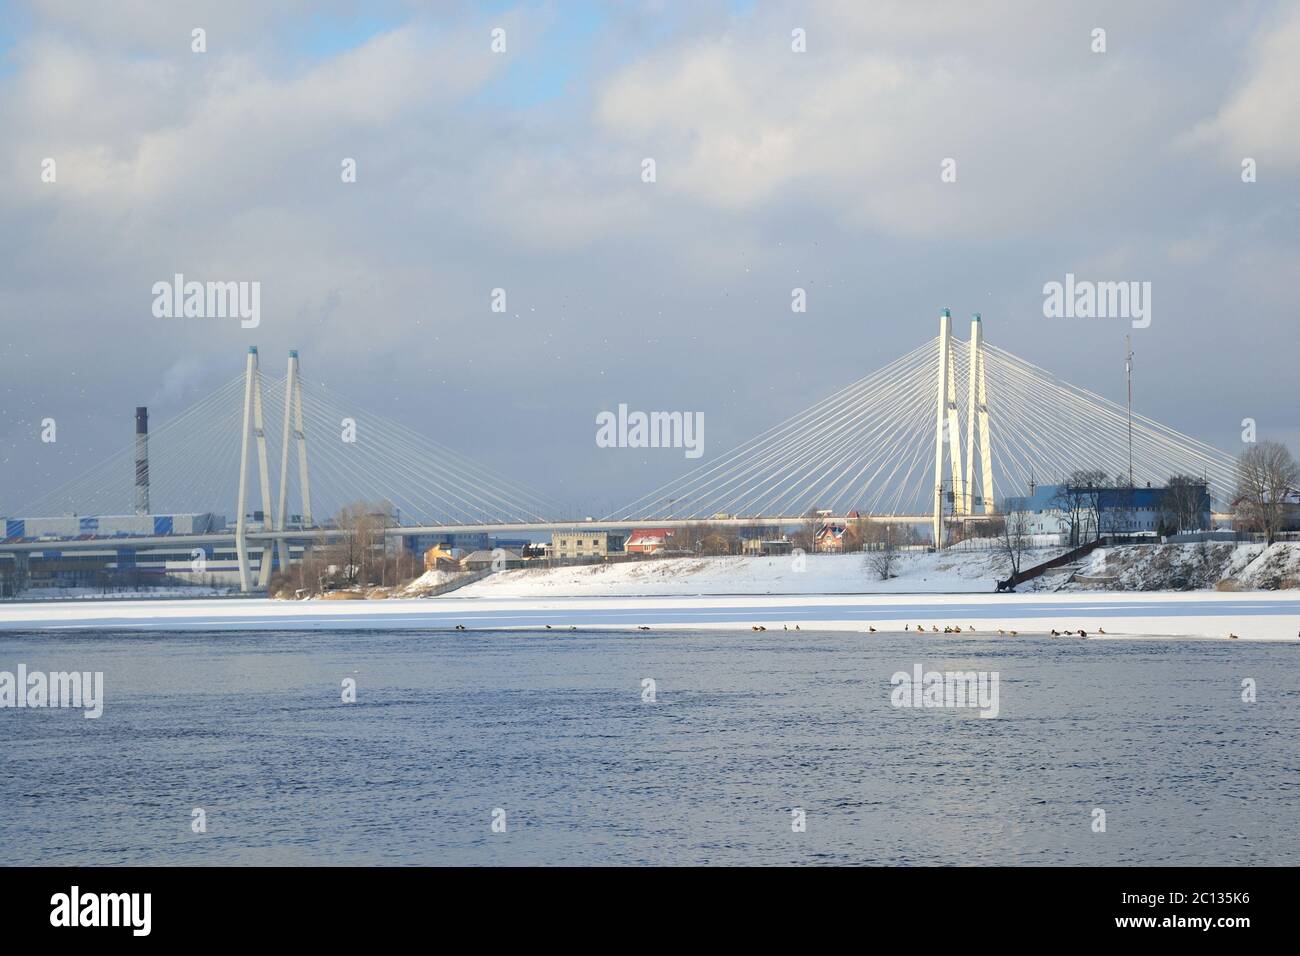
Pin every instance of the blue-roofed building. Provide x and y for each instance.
(1078, 515)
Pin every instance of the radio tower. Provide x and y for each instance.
(1128, 375)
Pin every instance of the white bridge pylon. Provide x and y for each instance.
(393, 469)
(867, 448)
(947, 427)
(255, 428)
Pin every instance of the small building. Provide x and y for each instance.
(761, 547)
(1290, 512)
(830, 539)
(498, 559)
(511, 544)
(648, 540)
(438, 557)
(585, 543)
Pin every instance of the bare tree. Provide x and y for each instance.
(1120, 517)
(707, 539)
(1181, 504)
(1068, 500)
(1091, 485)
(1080, 500)
(1266, 476)
(1015, 539)
(882, 549)
(806, 535)
(856, 530)
(361, 551)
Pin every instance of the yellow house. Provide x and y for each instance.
(436, 555)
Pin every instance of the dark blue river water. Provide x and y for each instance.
(552, 729)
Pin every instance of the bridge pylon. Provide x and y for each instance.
(977, 416)
(946, 427)
(253, 427)
(293, 428)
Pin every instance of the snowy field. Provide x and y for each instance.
(1250, 615)
(1127, 568)
(948, 572)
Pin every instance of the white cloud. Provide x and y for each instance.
(775, 169)
(1262, 118)
(860, 124)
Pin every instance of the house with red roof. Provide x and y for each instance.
(830, 538)
(647, 540)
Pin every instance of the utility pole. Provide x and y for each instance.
(1128, 375)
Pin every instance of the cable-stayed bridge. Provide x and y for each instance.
(957, 422)
(941, 434)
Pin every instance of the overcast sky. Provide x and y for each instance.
(522, 170)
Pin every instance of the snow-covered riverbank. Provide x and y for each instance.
(1251, 616)
(1127, 568)
(948, 572)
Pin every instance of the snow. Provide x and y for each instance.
(948, 572)
(1182, 567)
(1257, 566)
(1250, 615)
(1127, 568)
(99, 594)
(826, 592)
(426, 582)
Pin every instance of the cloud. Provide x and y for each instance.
(775, 170)
(1262, 117)
(861, 123)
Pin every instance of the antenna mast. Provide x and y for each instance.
(1128, 375)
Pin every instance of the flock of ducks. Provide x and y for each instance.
(919, 630)
(1068, 632)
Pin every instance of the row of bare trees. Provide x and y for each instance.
(715, 540)
(358, 556)
(1092, 506)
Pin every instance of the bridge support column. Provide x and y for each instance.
(293, 425)
(946, 428)
(977, 411)
(253, 418)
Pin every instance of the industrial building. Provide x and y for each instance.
(120, 564)
(111, 526)
(1086, 512)
(585, 543)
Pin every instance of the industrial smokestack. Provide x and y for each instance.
(142, 460)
